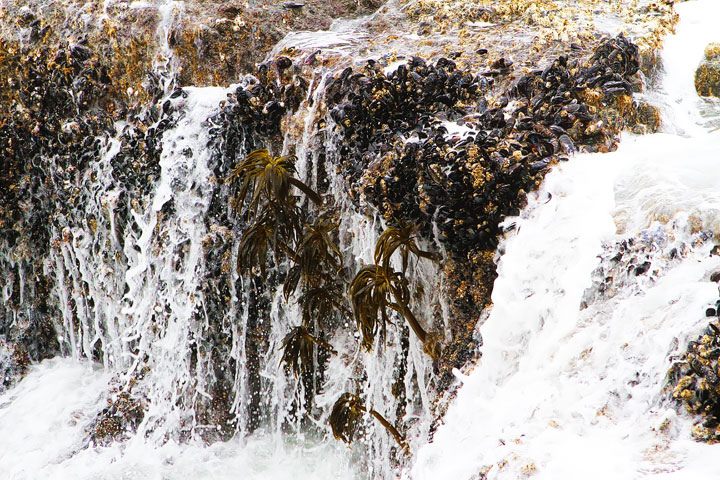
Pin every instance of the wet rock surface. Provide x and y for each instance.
(528, 33)
(695, 378)
(637, 262)
(444, 134)
(439, 148)
(633, 266)
(57, 115)
(119, 419)
(707, 75)
(205, 43)
(444, 150)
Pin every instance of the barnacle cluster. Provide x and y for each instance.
(254, 111)
(707, 75)
(636, 262)
(534, 31)
(424, 143)
(696, 380)
(47, 126)
(124, 411)
(52, 134)
(454, 136)
(60, 106)
(202, 38)
(451, 150)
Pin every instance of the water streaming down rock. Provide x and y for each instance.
(135, 300)
(144, 279)
(134, 290)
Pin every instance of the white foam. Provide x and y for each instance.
(57, 402)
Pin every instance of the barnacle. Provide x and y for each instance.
(696, 382)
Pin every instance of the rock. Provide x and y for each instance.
(641, 269)
(394, 135)
(230, 11)
(647, 118)
(715, 276)
(694, 381)
(205, 44)
(707, 76)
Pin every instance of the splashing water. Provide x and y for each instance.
(53, 442)
(605, 279)
(136, 295)
(575, 352)
(131, 294)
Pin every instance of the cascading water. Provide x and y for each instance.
(138, 276)
(132, 297)
(601, 285)
(131, 284)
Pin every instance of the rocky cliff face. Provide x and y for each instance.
(444, 116)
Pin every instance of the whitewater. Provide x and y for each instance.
(571, 383)
(572, 379)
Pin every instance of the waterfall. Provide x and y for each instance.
(151, 306)
(602, 283)
(132, 288)
(170, 360)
